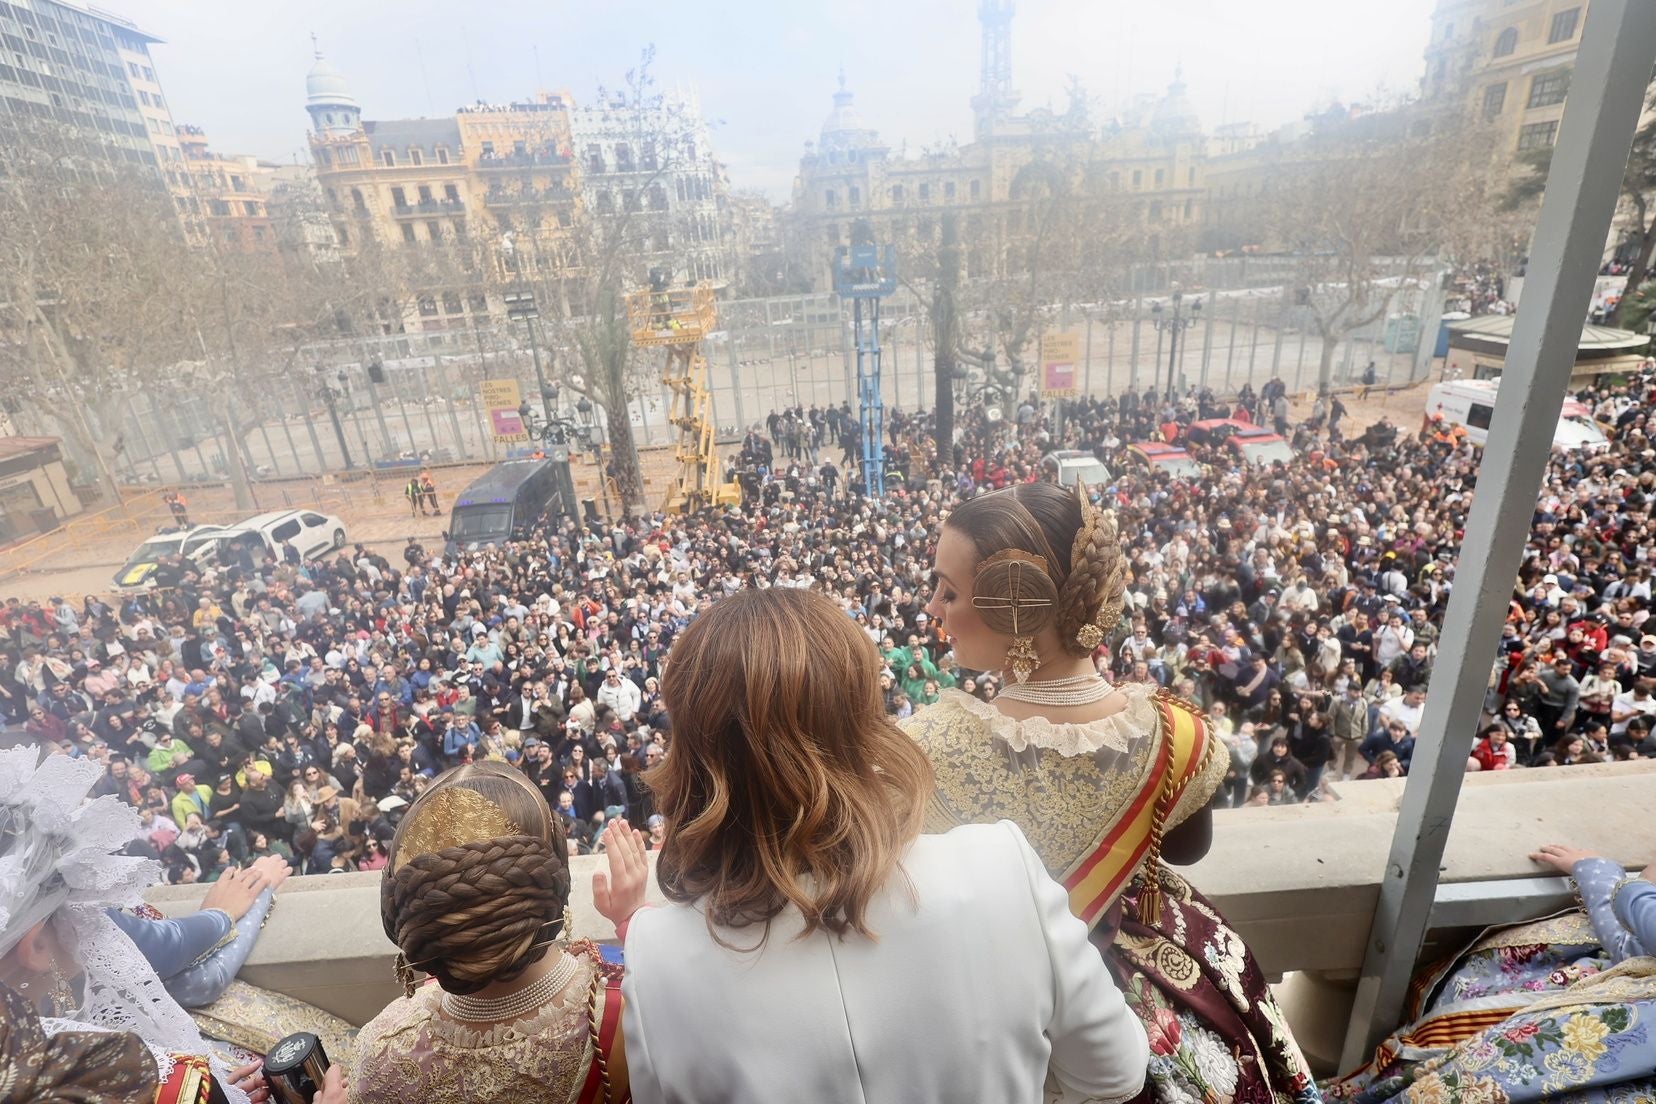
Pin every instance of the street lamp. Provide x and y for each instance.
(1173, 324)
(521, 307)
(329, 396)
(583, 410)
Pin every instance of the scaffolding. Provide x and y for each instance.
(865, 274)
(678, 319)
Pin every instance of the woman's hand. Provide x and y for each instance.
(334, 1089)
(273, 869)
(250, 1079)
(234, 892)
(1560, 857)
(619, 893)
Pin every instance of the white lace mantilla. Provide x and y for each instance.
(1118, 732)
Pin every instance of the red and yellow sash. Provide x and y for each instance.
(1096, 879)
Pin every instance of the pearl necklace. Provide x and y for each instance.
(512, 1006)
(1074, 690)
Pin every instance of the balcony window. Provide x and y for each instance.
(830, 199)
(408, 232)
(1549, 88)
(1494, 100)
(451, 193)
(1563, 26)
(399, 197)
(1537, 136)
(1506, 42)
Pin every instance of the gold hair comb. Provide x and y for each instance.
(451, 817)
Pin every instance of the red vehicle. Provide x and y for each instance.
(1156, 456)
(1255, 444)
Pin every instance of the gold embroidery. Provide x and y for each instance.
(1177, 967)
(448, 818)
(411, 1052)
(1064, 804)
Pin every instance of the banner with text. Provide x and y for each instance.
(1059, 352)
(501, 400)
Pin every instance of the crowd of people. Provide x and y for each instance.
(295, 709)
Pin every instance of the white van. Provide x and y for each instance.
(1471, 405)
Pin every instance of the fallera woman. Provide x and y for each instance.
(1107, 782)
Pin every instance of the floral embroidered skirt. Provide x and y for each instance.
(1216, 1033)
(1529, 1013)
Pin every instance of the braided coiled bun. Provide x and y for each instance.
(1096, 582)
(468, 915)
(474, 912)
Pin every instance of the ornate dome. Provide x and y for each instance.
(325, 86)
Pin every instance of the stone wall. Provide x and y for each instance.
(1299, 882)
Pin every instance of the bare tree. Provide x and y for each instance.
(89, 255)
(1370, 211)
(582, 271)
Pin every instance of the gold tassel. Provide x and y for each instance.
(1150, 899)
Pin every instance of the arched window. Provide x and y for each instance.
(1506, 42)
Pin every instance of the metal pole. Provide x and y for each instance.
(1207, 342)
(1606, 95)
(1155, 376)
(1109, 357)
(1230, 350)
(735, 381)
(1132, 364)
(540, 375)
(1086, 384)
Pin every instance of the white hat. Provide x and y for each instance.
(388, 804)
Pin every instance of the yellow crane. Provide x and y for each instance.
(677, 319)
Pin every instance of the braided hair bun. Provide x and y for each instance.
(1014, 594)
(1087, 570)
(483, 909)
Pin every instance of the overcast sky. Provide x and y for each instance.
(766, 70)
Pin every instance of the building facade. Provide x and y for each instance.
(654, 164)
(1507, 63)
(1152, 154)
(88, 76)
(225, 196)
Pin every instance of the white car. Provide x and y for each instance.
(313, 534)
(195, 544)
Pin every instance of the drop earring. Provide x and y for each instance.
(1021, 657)
(62, 999)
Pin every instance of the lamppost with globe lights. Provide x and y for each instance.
(1172, 323)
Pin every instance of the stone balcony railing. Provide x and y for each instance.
(1299, 882)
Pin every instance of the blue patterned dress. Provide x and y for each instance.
(1562, 1009)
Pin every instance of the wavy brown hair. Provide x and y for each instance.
(483, 911)
(788, 783)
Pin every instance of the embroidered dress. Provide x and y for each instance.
(413, 1052)
(1558, 1009)
(1094, 800)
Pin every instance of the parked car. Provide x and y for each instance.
(1255, 444)
(195, 543)
(1068, 465)
(313, 534)
(1157, 456)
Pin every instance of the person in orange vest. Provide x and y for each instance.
(180, 510)
(428, 490)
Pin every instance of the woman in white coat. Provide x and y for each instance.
(818, 947)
